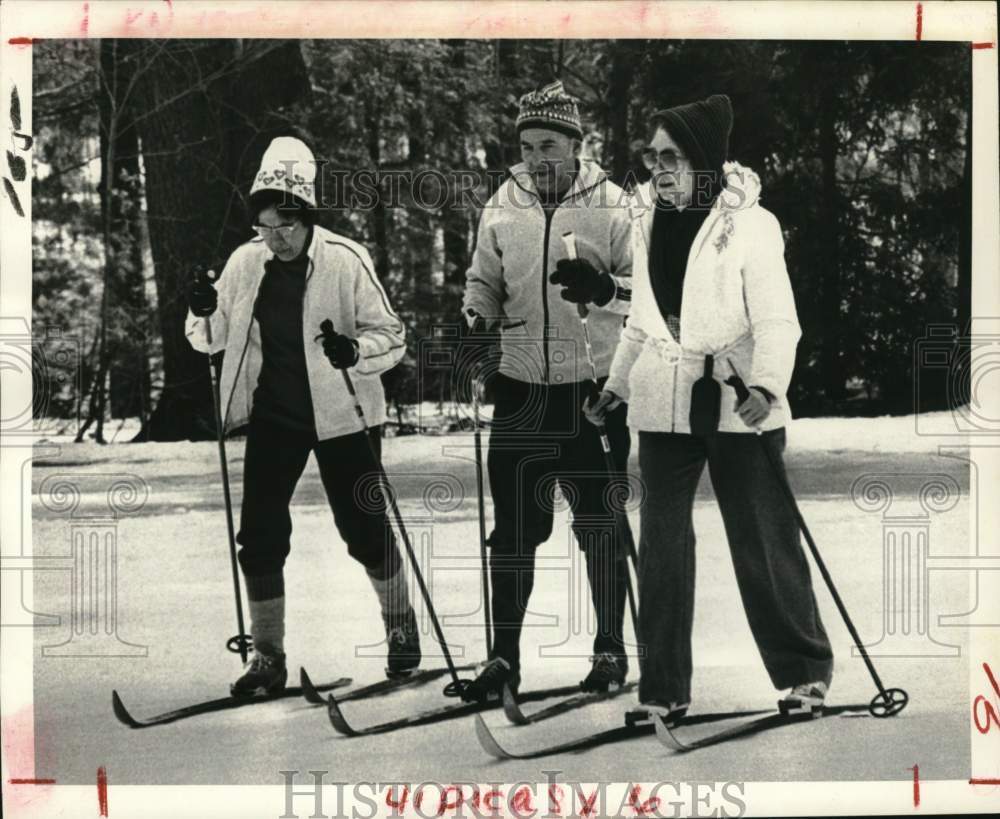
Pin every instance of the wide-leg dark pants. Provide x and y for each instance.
(275, 459)
(539, 435)
(771, 568)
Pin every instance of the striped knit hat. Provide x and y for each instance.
(552, 108)
(701, 129)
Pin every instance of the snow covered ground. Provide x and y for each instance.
(174, 596)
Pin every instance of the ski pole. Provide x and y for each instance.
(477, 387)
(889, 701)
(624, 532)
(456, 686)
(241, 642)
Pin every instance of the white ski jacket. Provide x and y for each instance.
(737, 304)
(517, 248)
(341, 286)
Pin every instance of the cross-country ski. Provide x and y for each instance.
(425, 716)
(125, 717)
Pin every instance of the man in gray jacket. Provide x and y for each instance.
(538, 433)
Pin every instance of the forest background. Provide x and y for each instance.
(144, 151)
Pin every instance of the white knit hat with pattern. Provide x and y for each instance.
(288, 166)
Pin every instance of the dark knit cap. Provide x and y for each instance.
(701, 129)
(552, 108)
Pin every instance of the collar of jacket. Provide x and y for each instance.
(311, 252)
(315, 249)
(642, 205)
(588, 175)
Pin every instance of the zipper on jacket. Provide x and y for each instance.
(305, 333)
(239, 365)
(673, 400)
(549, 213)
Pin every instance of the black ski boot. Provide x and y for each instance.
(264, 675)
(491, 680)
(403, 637)
(606, 674)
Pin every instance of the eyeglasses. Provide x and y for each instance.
(283, 231)
(667, 159)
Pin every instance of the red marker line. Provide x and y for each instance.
(916, 786)
(102, 790)
(920, 20)
(978, 781)
(32, 781)
(982, 45)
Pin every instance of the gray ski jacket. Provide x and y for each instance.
(517, 249)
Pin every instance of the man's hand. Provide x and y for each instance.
(202, 298)
(755, 409)
(595, 410)
(582, 282)
(342, 351)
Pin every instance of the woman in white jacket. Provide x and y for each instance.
(711, 298)
(277, 378)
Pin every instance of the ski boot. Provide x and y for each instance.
(606, 674)
(806, 698)
(264, 675)
(403, 638)
(488, 686)
(671, 713)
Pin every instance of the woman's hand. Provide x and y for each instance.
(755, 409)
(594, 411)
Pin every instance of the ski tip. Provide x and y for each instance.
(486, 740)
(340, 725)
(511, 709)
(121, 712)
(309, 691)
(666, 737)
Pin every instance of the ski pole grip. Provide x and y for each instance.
(569, 241)
(203, 274)
(325, 329)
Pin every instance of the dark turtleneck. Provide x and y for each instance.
(282, 393)
(672, 236)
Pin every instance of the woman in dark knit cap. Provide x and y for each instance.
(711, 298)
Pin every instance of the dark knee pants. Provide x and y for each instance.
(539, 436)
(275, 459)
(771, 568)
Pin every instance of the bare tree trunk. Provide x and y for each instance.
(196, 115)
(623, 60)
(125, 312)
(833, 377)
(960, 392)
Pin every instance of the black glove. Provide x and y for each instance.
(341, 350)
(202, 297)
(582, 282)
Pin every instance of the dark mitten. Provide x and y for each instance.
(582, 282)
(341, 350)
(202, 298)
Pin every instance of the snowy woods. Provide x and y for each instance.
(144, 151)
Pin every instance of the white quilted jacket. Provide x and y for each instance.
(737, 304)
